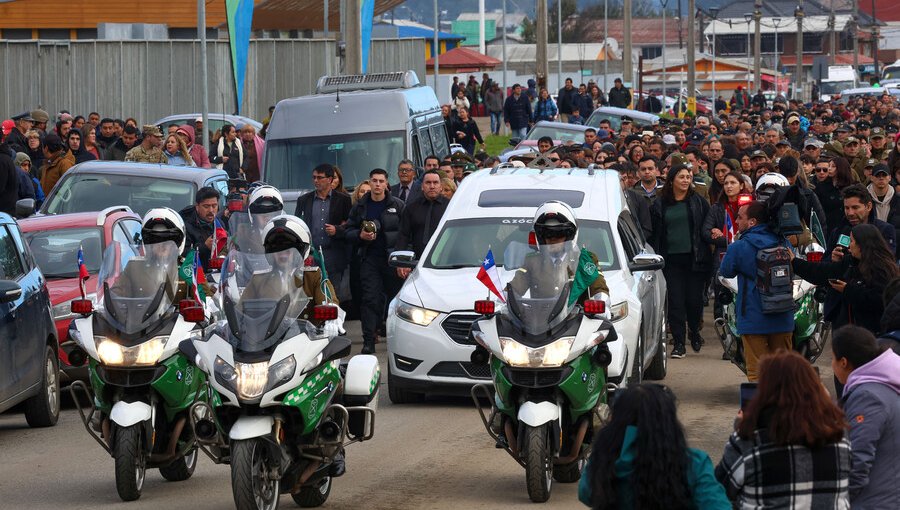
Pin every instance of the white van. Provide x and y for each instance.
(356, 122)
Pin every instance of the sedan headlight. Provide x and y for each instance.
(552, 355)
(63, 310)
(144, 354)
(415, 314)
(618, 311)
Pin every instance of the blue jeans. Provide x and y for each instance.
(496, 122)
(520, 132)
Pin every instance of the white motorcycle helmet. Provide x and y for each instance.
(265, 203)
(768, 183)
(555, 219)
(163, 224)
(285, 232)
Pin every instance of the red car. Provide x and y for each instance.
(55, 240)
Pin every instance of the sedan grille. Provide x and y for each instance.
(457, 327)
(536, 378)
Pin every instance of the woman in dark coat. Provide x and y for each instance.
(677, 217)
(75, 142)
(721, 216)
(465, 131)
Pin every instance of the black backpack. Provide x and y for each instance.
(774, 279)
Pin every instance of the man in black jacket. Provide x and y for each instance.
(421, 217)
(325, 211)
(565, 99)
(199, 222)
(373, 226)
(9, 182)
(619, 96)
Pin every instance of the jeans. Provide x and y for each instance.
(685, 295)
(379, 283)
(496, 122)
(520, 133)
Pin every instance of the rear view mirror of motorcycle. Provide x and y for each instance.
(82, 306)
(187, 348)
(325, 313)
(484, 307)
(403, 259)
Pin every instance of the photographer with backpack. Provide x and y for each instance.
(764, 303)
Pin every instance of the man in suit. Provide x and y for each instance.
(421, 217)
(408, 187)
(325, 211)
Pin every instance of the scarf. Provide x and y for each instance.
(221, 149)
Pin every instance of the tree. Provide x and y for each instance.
(569, 8)
(529, 31)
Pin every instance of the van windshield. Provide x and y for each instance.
(289, 163)
(835, 87)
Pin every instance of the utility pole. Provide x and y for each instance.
(505, 83)
(665, 3)
(798, 72)
(692, 64)
(757, 45)
(605, 45)
(353, 38)
(627, 71)
(541, 46)
(875, 42)
(714, 14)
(204, 72)
(325, 36)
(680, 40)
(481, 48)
(437, 49)
(831, 23)
(559, 57)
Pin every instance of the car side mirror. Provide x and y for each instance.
(9, 291)
(646, 262)
(404, 259)
(514, 141)
(24, 207)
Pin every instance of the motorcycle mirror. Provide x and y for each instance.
(82, 306)
(325, 312)
(594, 307)
(484, 307)
(187, 348)
(193, 313)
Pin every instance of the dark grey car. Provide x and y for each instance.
(29, 366)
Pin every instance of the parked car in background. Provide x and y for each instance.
(29, 367)
(97, 185)
(847, 94)
(215, 121)
(614, 116)
(55, 240)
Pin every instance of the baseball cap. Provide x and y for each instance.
(40, 116)
(782, 142)
(877, 133)
(198, 119)
(880, 168)
(851, 139)
(870, 162)
(759, 154)
(151, 130)
(815, 142)
(602, 134)
(844, 128)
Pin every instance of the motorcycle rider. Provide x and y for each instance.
(159, 227)
(263, 204)
(554, 226)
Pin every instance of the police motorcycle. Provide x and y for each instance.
(548, 359)
(284, 407)
(141, 386)
(811, 330)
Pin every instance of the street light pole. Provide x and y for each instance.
(204, 72)
(798, 71)
(714, 14)
(757, 45)
(605, 45)
(437, 48)
(665, 4)
(628, 70)
(691, 62)
(504, 47)
(748, 18)
(559, 58)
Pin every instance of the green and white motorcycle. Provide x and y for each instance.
(548, 359)
(284, 406)
(143, 388)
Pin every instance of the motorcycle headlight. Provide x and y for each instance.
(63, 310)
(225, 374)
(415, 314)
(251, 379)
(144, 354)
(552, 355)
(618, 311)
(283, 371)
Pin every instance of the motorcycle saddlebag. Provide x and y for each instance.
(361, 389)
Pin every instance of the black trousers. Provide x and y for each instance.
(685, 296)
(379, 284)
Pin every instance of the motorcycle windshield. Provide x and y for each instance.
(538, 294)
(137, 285)
(262, 296)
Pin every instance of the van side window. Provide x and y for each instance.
(425, 147)
(629, 241)
(439, 139)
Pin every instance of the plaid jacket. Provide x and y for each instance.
(759, 474)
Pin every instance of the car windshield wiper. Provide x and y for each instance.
(59, 276)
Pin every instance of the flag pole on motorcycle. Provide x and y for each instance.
(191, 271)
(83, 273)
(490, 277)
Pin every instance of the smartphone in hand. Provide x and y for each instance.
(748, 390)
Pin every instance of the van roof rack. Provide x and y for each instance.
(372, 81)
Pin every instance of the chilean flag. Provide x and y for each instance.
(220, 238)
(82, 271)
(198, 277)
(489, 276)
(729, 228)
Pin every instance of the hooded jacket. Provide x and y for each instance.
(706, 491)
(888, 208)
(54, 169)
(871, 403)
(740, 261)
(198, 151)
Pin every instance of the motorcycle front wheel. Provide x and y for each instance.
(538, 463)
(251, 484)
(131, 464)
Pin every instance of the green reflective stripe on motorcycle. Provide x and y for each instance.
(314, 395)
(502, 387)
(805, 318)
(375, 378)
(98, 386)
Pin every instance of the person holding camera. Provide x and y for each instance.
(373, 226)
(763, 330)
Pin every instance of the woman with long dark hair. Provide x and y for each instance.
(640, 459)
(720, 225)
(858, 280)
(545, 108)
(722, 168)
(789, 449)
(826, 191)
(677, 217)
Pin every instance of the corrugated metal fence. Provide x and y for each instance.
(148, 80)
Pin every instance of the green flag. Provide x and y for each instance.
(186, 273)
(319, 259)
(815, 226)
(586, 274)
